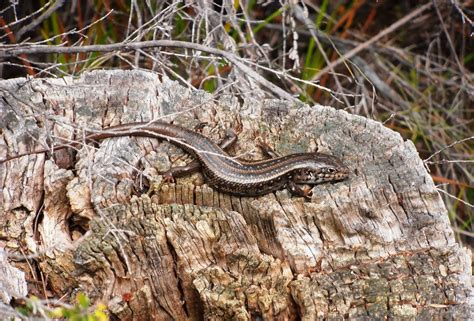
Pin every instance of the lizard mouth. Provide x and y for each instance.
(313, 177)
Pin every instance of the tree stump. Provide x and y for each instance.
(98, 219)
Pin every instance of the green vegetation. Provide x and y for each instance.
(80, 311)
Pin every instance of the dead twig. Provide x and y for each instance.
(372, 40)
(12, 51)
(35, 23)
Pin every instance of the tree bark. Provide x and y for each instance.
(100, 220)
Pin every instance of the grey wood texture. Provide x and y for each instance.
(378, 245)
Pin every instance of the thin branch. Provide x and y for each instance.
(72, 31)
(449, 146)
(45, 15)
(300, 15)
(454, 197)
(450, 41)
(12, 51)
(374, 39)
(25, 17)
(463, 15)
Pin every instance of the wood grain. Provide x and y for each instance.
(378, 245)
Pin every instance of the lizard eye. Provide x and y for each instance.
(331, 170)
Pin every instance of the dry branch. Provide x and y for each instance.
(14, 51)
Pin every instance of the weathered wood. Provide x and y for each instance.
(12, 280)
(375, 246)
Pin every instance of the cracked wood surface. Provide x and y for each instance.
(374, 246)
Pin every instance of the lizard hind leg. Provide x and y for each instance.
(267, 150)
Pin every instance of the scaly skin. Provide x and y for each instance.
(229, 175)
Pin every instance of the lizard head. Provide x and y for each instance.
(320, 168)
